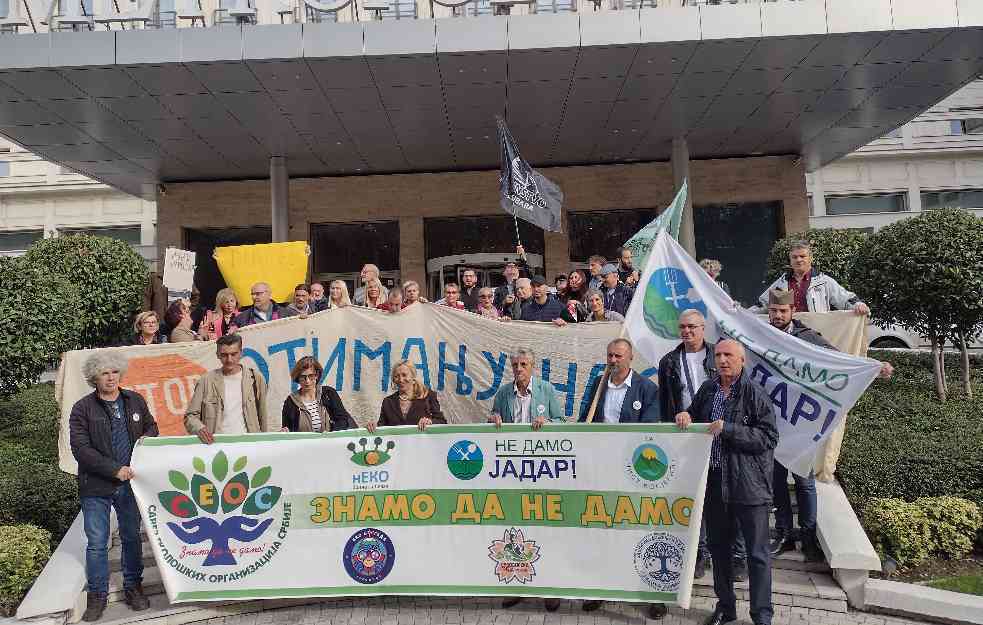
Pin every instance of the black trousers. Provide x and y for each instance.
(724, 521)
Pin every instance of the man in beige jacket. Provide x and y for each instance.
(229, 400)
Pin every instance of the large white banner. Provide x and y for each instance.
(812, 388)
(601, 511)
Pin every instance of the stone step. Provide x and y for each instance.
(152, 584)
(116, 554)
(161, 612)
(789, 588)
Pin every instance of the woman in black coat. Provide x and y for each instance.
(313, 408)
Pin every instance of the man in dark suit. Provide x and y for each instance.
(625, 397)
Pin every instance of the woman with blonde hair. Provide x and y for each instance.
(337, 295)
(411, 404)
(146, 330)
(374, 295)
(313, 408)
(221, 320)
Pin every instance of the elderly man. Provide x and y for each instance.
(505, 295)
(626, 397)
(781, 307)
(263, 308)
(814, 291)
(469, 289)
(369, 271)
(617, 296)
(103, 428)
(452, 296)
(318, 300)
(523, 295)
(594, 265)
(531, 400)
(543, 306)
(227, 400)
(738, 494)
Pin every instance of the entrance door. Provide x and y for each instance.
(488, 268)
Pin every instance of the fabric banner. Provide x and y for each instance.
(281, 265)
(669, 220)
(812, 388)
(526, 193)
(573, 510)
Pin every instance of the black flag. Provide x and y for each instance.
(526, 193)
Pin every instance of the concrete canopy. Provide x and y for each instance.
(818, 78)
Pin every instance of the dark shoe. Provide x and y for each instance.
(657, 611)
(591, 604)
(552, 605)
(95, 604)
(811, 549)
(135, 598)
(740, 570)
(718, 618)
(781, 543)
(511, 602)
(701, 567)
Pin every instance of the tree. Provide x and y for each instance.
(833, 252)
(109, 274)
(38, 321)
(925, 273)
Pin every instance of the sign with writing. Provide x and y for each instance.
(602, 511)
(179, 270)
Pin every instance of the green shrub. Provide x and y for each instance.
(833, 252)
(110, 276)
(953, 522)
(38, 321)
(898, 529)
(31, 418)
(33, 490)
(24, 550)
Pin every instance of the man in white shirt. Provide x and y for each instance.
(228, 400)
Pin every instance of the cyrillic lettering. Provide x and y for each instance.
(532, 507)
(497, 366)
(654, 512)
(337, 358)
(625, 511)
(465, 509)
(369, 510)
(322, 510)
(493, 508)
(464, 383)
(423, 506)
(424, 364)
(595, 512)
(567, 388)
(395, 507)
(343, 506)
(527, 470)
(554, 511)
(682, 508)
(361, 349)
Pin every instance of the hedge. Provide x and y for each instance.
(31, 418)
(902, 442)
(24, 550)
(911, 532)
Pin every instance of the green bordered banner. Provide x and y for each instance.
(575, 511)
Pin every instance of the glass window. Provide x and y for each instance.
(956, 127)
(857, 204)
(4, 8)
(475, 235)
(973, 126)
(129, 234)
(19, 240)
(345, 247)
(603, 232)
(966, 198)
(894, 134)
(4, 168)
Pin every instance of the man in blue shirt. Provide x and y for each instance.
(543, 306)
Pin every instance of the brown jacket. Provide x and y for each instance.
(390, 414)
(205, 408)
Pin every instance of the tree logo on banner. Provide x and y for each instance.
(514, 557)
(465, 460)
(659, 560)
(369, 556)
(374, 457)
(208, 507)
(669, 293)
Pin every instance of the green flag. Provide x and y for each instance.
(641, 243)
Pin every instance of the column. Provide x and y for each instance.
(680, 172)
(279, 198)
(412, 252)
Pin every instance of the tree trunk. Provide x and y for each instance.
(964, 350)
(945, 382)
(937, 369)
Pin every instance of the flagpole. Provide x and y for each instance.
(518, 239)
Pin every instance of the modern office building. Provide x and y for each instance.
(935, 160)
(374, 139)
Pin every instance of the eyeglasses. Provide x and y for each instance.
(485, 296)
(255, 293)
(307, 376)
(689, 326)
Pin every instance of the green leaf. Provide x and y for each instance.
(204, 493)
(261, 476)
(198, 464)
(178, 504)
(234, 492)
(178, 480)
(220, 466)
(240, 464)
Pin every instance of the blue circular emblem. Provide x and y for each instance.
(659, 561)
(668, 294)
(464, 460)
(369, 556)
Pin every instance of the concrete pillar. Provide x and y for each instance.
(412, 252)
(558, 250)
(680, 172)
(279, 198)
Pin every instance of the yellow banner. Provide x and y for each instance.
(282, 265)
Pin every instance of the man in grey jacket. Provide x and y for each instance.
(814, 291)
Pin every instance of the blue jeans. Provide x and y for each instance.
(95, 518)
(805, 497)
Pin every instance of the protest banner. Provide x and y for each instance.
(812, 388)
(602, 511)
(179, 272)
(281, 265)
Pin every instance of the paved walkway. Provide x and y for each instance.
(486, 611)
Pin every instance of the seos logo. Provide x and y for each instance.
(369, 556)
(669, 292)
(465, 460)
(650, 466)
(217, 512)
(659, 560)
(363, 456)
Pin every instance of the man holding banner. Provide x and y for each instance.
(738, 493)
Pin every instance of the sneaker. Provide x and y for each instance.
(94, 607)
(701, 567)
(135, 598)
(740, 570)
(657, 611)
(591, 604)
(552, 605)
(511, 602)
(781, 543)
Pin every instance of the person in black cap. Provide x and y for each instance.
(616, 295)
(543, 306)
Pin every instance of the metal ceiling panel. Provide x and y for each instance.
(416, 69)
(721, 55)
(605, 61)
(783, 52)
(843, 49)
(226, 77)
(472, 68)
(813, 78)
(166, 79)
(904, 46)
(41, 84)
(192, 105)
(654, 87)
(139, 107)
(595, 89)
(531, 65)
(342, 73)
(104, 82)
(291, 75)
(701, 84)
(45, 134)
(302, 103)
(964, 43)
(758, 81)
(410, 97)
(81, 110)
(161, 130)
(20, 113)
(474, 97)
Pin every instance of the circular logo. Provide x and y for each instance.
(659, 561)
(369, 556)
(464, 460)
(650, 462)
(669, 292)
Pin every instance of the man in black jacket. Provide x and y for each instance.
(103, 428)
(742, 422)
